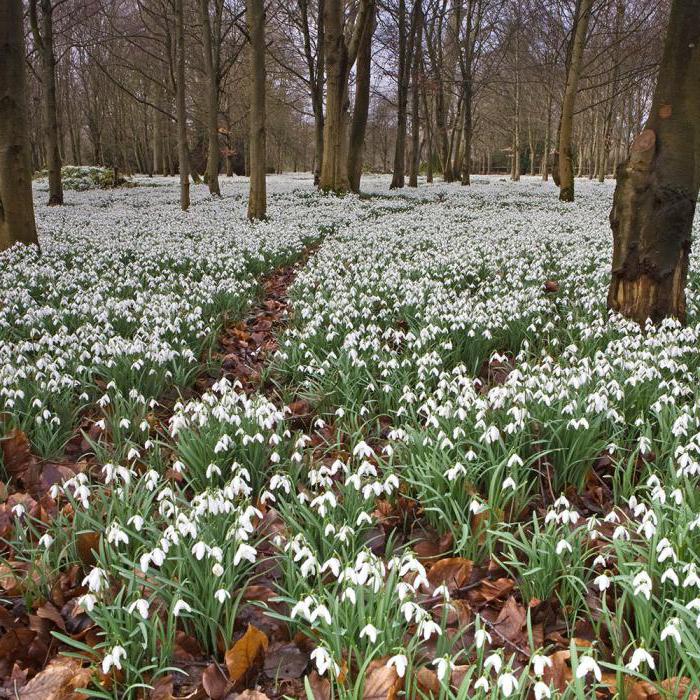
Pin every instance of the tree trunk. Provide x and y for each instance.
(578, 37)
(515, 169)
(406, 47)
(16, 206)
(414, 165)
(43, 38)
(211, 68)
(657, 188)
(361, 110)
(257, 198)
(547, 137)
(339, 57)
(183, 151)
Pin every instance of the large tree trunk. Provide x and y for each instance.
(257, 198)
(414, 165)
(340, 57)
(211, 66)
(16, 206)
(578, 37)
(657, 188)
(361, 110)
(183, 151)
(43, 38)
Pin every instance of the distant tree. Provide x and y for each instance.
(44, 38)
(16, 206)
(578, 42)
(257, 198)
(657, 188)
(182, 148)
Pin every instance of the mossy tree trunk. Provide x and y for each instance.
(657, 188)
(16, 206)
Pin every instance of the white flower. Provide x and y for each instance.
(46, 540)
(113, 659)
(586, 665)
(507, 683)
(563, 546)
(639, 657)
(87, 602)
(493, 661)
(370, 631)
(482, 684)
(96, 580)
(542, 691)
(180, 607)
(671, 630)
(141, 606)
(444, 667)
(245, 551)
(642, 584)
(481, 636)
(602, 581)
(400, 663)
(324, 661)
(539, 663)
(221, 595)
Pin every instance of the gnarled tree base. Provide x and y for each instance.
(645, 298)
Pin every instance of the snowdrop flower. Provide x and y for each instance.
(670, 575)
(507, 683)
(113, 659)
(542, 691)
(639, 657)
(245, 551)
(586, 665)
(141, 606)
(563, 546)
(494, 661)
(222, 595)
(672, 630)
(480, 637)
(18, 510)
(444, 667)
(96, 580)
(508, 483)
(539, 663)
(136, 521)
(602, 581)
(371, 632)
(324, 661)
(642, 584)
(482, 684)
(180, 607)
(46, 540)
(87, 602)
(427, 628)
(400, 663)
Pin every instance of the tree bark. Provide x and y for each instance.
(578, 37)
(257, 197)
(361, 110)
(547, 137)
(657, 188)
(210, 41)
(183, 150)
(340, 57)
(43, 38)
(414, 165)
(16, 206)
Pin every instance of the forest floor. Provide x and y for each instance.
(374, 447)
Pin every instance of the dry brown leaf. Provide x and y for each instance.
(489, 590)
(320, 686)
(669, 689)
(381, 682)
(87, 543)
(214, 683)
(58, 681)
(245, 654)
(16, 454)
(453, 572)
(251, 695)
(559, 673)
(48, 611)
(163, 689)
(284, 661)
(428, 682)
(511, 620)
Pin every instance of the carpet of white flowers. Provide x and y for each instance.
(463, 479)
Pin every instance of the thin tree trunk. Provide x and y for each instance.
(43, 38)
(657, 188)
(515, 171)
(257, 198)
(211, 67)
(566, 171)
(183, 151)
(547, 137)
(16, 206)
(361, 110)
(414, 165)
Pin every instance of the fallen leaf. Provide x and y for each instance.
(251, 695)
(559, 674)
(14, 645)
(382, 682)
(16, 454)
(163, 689)
(214, 683)
(58, 681)
(87, 543)
(320, 686)
(489, 590)
(285, 661)
(551, 286)
(511, 620)
(428, 683)
(676, 687)
(245, 654)
(453, 572)
(49, 611)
